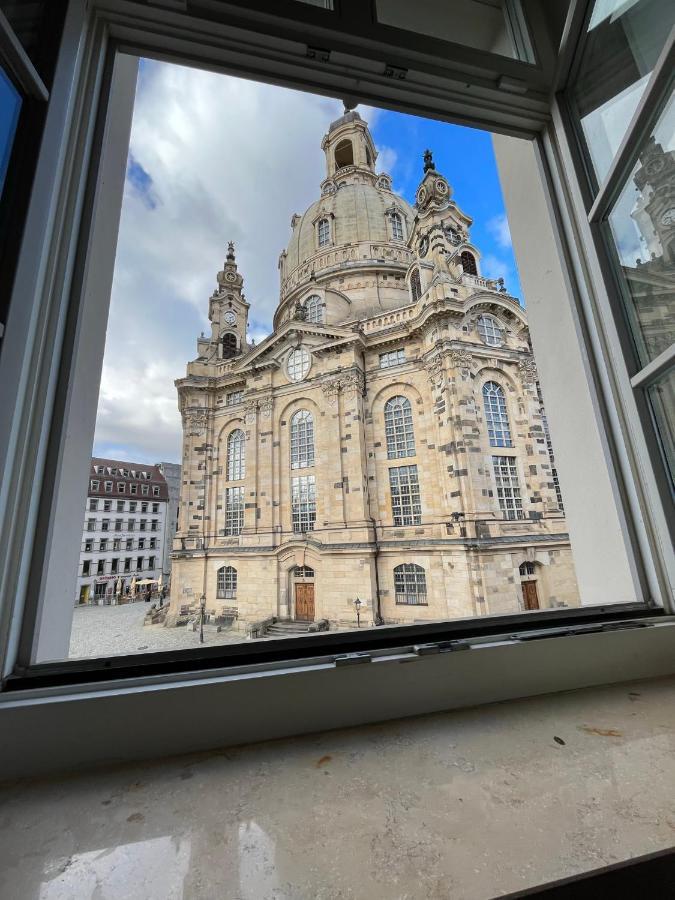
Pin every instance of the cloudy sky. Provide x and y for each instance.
(214, 158)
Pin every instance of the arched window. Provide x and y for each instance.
(496, 415)
(410, 585)
(469, 263)
(324, 232)
(236, 459)
(229, 345)
(302, 440)
(314, 309)
(489, 331)
(226, 587)
(303, 572)
(344, 154)
(526, 568)
(398, 427)
(298, 363)
(396, 226)
(415, 285)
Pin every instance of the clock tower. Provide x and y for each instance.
(228, 310)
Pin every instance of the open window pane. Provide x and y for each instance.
(662, 398)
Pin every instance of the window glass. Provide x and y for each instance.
(508, 487)
(641, 229)
(302, 440)
(298, 364)
(662, 399)
(236, 459)
(489, 331)
(392, 358)
(398, 427)
(624, 41)
(314, 309)
(405, 495)
(303, 502)
(234, 510)
(410, 585)
(10, 107)
(496, 415)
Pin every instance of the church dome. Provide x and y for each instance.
(357, 224)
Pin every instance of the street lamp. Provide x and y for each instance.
(202, 607)
(357, 606)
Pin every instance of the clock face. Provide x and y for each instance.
(668, 218)
(230, 318)
(230, 276)
(424, 246)
(421, 195)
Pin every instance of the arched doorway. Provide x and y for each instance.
(303, 593)
(528, 585)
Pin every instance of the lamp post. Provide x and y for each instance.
(357, 606)
(202, 607)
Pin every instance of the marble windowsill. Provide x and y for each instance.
(469, 804)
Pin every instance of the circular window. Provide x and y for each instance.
(297, 364)
(490, 331)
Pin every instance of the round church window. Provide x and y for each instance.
(297, 364)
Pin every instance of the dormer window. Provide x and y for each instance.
(396, 226)
(469, 263)
(314, 309)
(323, 229)
(490, 331)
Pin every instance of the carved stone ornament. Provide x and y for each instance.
(249, 411)
(435, 371)
(263, 405)
(460, 359)
(527, 369)
(331, 389)
(351, 384)
(195, 421)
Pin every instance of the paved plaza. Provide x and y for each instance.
(117, 630)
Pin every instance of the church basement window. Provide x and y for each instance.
(405, 495)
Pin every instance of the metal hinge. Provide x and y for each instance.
(397, 72)
(318, 53)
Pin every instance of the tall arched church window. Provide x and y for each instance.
(490, 331)
(396, 226)
(314, 309)
(469, 263)
(229, 345)
(496, 415)
(324, 232)
(410, 584)
(415, 285)
(302, 440)
(226, 587)
(236, 458)
(344, 154)
(398, 427)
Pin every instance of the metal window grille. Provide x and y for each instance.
(398, 426)
(297, 364)
(392, 358)
(324, 232)
(490, 331)
(234, 510)
(508, 488)
(303, 502)
(314, 309)
(232, 398)
(236, 460)
(415, 285)
(396, 227)
(302, 440)
(226, 586)
(410, 585)
(405, 495)
(496, 415)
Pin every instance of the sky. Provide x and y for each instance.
(214, 158)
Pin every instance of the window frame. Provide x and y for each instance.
(100, 62)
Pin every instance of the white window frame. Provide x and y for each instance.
(391, 358)
(70, 161)
(234, 510)
(323, 232)
(303, 503)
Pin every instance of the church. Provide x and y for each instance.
(383, 456)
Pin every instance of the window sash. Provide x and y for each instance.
(302, 440)
(234, 510)
(508, 487)
(398, 427)
(406, 507)
(303, 503)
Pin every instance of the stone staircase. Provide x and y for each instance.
(287, 628)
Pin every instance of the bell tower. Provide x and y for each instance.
(228, 309)
(349, 148)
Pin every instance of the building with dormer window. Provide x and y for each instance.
(386, 442)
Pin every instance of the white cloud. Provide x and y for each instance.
(492, 266)
(214, 159)
(499, 229)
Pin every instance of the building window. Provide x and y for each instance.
(118, 524)
(469, 263)
(142, 524)
(141, 543)
(392, 358)
(108, 487)
(324, 232)
(508, 488)
(117, 544)
(153, 543)
(88, 545)
(86, 566)
(153, 525)
(397, 227)
(303, 572)
(93, 505)
(155, 508)
(405, 495)
(131, 525)
(233, 398)
(234, 510)
(132, 505)
(229, 345)
(410, 585)
(105, 524)
(107, 505)
(226, 585)
(121, 487)
(114, 564)
(120, 506)
(314, 309)
(127, 563)
(298, 363)
(133, 488)
(236, 458)
(139, 563)
(415, 285)
(144, 507)
(145, 488)
(103, 545)
(526, 568)
(151, 562)
(303, 502)
(93, 484)
(100, 567)
(302, 440)
(91, 524)
(398, 427)
(496, 415)
(155, 490)
(129, 544)
(344, 154)
(490, 331)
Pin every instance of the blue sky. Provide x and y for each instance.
(214, 158)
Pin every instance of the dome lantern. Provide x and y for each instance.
(349, 146)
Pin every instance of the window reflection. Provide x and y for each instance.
(662, 399)
(10, 107)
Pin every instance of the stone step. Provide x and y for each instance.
(289, 628)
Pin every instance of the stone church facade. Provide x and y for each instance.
(386, 442)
